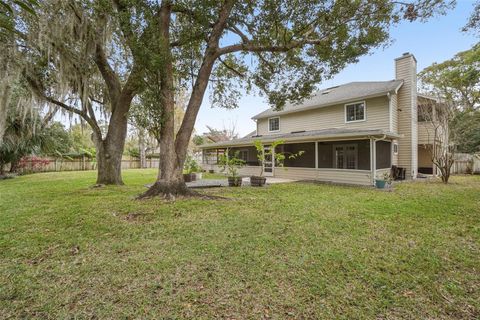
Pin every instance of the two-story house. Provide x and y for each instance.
(349, 133)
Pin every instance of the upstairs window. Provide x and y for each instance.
(355, 112)
(274, 124)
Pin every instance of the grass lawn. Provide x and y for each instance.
(285, 251)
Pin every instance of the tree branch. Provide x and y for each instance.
(111, 79)
(251, 47)
(177, 8)
(238, 73)
(237, 31)
(48, 117)
(92, 122)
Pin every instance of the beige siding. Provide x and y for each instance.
(296, 173)
(405, 68)
(250, 171)
(332, 117)
(426, 133)
(359, 177)
(356, 177)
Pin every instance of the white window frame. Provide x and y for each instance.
(344, 146)
(354, 103)
(269, 124)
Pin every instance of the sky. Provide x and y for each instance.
(436, 40)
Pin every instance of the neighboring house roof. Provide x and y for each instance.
(303, 136)
(254, 132)
(338, 94)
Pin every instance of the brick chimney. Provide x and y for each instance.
(406, 70)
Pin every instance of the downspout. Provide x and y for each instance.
(389, 96)
(373, 155)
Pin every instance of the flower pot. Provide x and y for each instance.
(189, 177)
(234, 181)
(256, 181)
(211, 171)
(380, 184)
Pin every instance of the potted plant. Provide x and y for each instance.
(189, 168)
(383, 180)
(279, 158)
(197, 170)
(231, 164)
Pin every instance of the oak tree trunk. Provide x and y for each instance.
(174, 148)
(170, 181)
(110, 148)
(109, 163)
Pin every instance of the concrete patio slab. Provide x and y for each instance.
(212, 183)
(216, 183)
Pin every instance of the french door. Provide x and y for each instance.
(346, 156)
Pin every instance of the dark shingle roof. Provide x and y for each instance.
(339, 94)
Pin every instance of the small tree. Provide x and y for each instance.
(231, 164)
(443, 146)
(191, 165)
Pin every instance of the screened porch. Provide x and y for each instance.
(345, 161)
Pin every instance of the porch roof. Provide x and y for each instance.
(304, 136)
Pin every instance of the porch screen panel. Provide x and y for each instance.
(351, 157)
(384, 154)
(325, 155)
(247, 154)
(339, 157)
(354, 154)
(211, 156)
(306, 160)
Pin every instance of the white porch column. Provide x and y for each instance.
(373, 158)
(316, 154)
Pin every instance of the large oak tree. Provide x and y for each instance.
(75, 56)
(283, 49)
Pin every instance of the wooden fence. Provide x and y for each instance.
(466, 163)
(60, 164)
